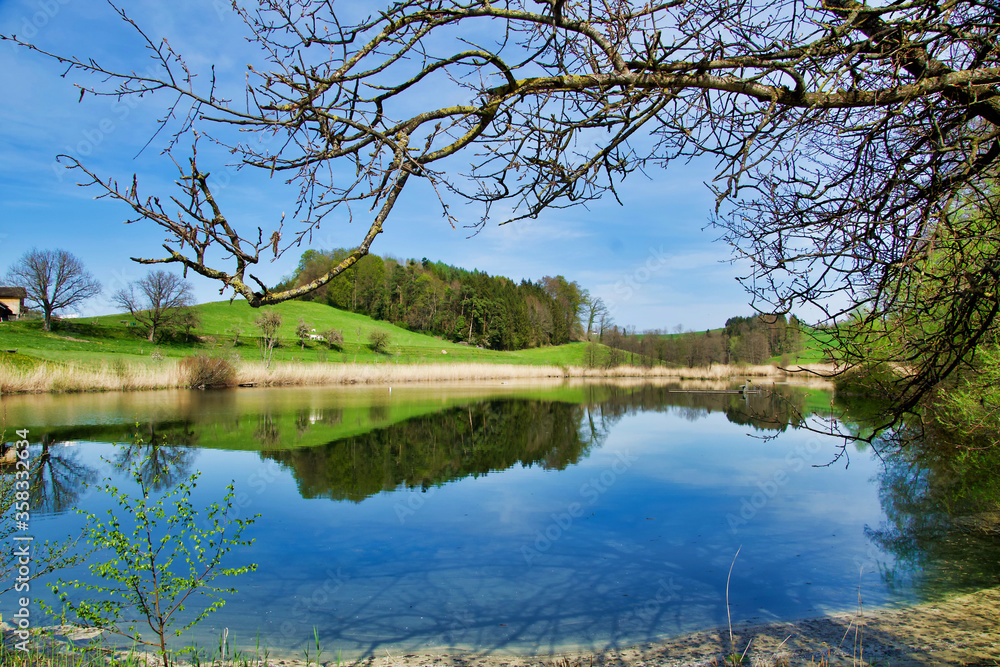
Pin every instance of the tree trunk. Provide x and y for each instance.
(354, 291)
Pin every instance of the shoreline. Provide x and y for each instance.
(963, 629)
(137, 377)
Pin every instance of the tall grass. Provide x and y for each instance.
(116, 375)
(123, 376)
(56, 654)
(716, 372)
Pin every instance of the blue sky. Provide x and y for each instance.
(651, 260)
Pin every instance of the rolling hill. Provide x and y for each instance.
(96, 339)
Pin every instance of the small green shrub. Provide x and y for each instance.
(148, 575)
(334, 338)
(203, 370)
(378, 340)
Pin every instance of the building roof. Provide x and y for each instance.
(13, 292)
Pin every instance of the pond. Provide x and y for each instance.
(520, 519)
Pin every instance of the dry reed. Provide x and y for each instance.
(109, 376)
(716, 372)
(119, 375)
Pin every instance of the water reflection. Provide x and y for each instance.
(942, 514)
(774, 408)
(457, 443)
(588, 515)
(496, 435)
(295, 417)
(160, 465)
(380, 455)
(58, 477)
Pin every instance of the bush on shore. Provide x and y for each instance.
(378, 340)
(203, 370)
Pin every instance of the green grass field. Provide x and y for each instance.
(99, 339)
(816, 343)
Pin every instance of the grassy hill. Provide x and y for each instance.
(98, 339)
(815, 343)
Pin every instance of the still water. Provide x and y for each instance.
(517, 519)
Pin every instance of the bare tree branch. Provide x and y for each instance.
(851, 140)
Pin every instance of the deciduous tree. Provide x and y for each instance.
(53, 280)
(594, 311)
(269, 323)
(302, 332)
(334, 338)
(378, 340)
(158, 301)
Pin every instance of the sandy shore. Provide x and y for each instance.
(961, 630)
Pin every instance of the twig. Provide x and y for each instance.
(729, 616)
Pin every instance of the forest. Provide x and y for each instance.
(744, 340)
(435, 298)
(497, 313)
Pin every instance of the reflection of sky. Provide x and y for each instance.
(631, 543)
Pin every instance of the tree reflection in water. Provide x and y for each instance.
(164, 458)
(58, 477)
(426, 451)
(345, 449)
(942, 508)
(487, 436)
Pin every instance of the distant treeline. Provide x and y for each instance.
(744, 340)
(436, 298)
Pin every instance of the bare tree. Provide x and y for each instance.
(604, 322)
(334, 338)
(235, 331)
(157, 301)
(53, 280)
(852, 140)
(594, 311)
(269, 323)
